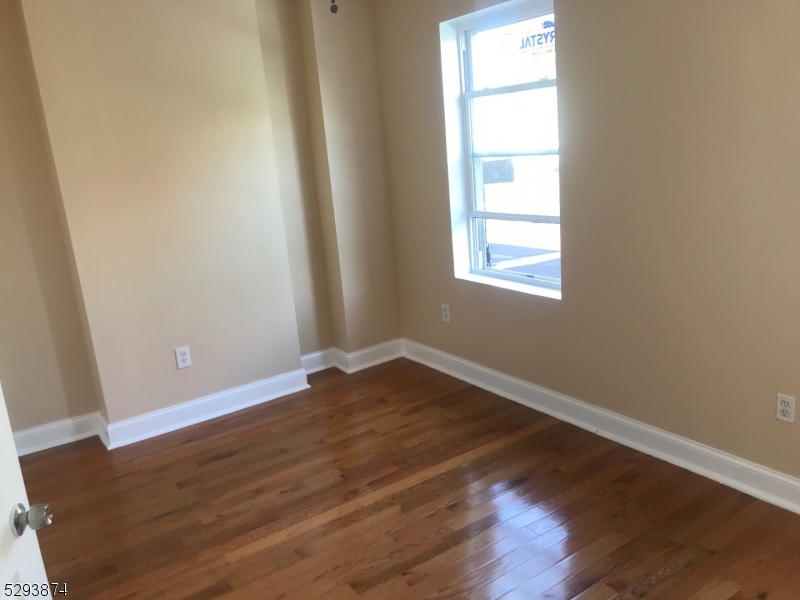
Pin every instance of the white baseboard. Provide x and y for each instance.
(355, 361)
(743, 475)
(189, 413)
(369, 357)
(746, 476)
(319, 361)
(57, 433)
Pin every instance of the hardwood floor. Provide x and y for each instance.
(400, 482)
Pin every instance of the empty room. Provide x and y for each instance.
(400, 299)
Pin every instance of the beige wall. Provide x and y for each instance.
(346, 122)
(679, 200)
(166, 164)
(680, 137)
(281, 42)
(43, 363)
(322, 174)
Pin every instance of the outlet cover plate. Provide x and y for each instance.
(446, 313)
(786, 406)
(183, 357)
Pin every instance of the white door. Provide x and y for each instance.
(20, 558)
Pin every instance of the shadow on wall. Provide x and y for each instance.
(39, 311)
(282, 51)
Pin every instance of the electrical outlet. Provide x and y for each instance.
(785, 408)
(183, 358)
(446, 313)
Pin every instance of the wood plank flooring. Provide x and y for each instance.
(400, 482)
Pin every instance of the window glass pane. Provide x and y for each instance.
(523, 185)
(517, 123)
(518, 53)
(526, 249)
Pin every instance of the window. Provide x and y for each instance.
(502, 114)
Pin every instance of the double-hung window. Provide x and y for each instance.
(507, 206)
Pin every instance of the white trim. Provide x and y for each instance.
(368, 357)
(508, 282)
(511, 89)
(189, 413)
(743, 475)
(500, 14)
(355, 361)
(746, 476)
(319, 361)
(57, 433)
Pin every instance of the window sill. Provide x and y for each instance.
(525, 288)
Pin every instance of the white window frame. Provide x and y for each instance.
(457, 94)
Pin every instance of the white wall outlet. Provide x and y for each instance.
(446, 313)
(183, 358)
(786, 408)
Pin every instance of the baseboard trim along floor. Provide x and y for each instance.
(136, 429)
(58, 433)
(355, 361)
(746, 476)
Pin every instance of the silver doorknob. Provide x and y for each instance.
(37, 517)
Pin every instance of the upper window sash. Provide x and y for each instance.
(502, 216)
(513, 154)
(510, 89)
(469, 95)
